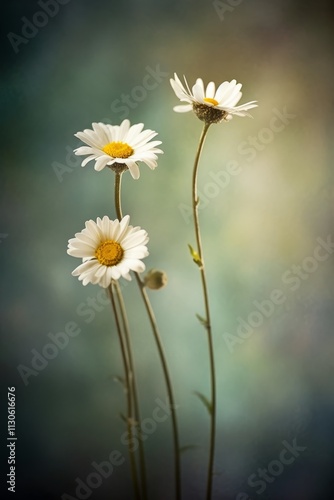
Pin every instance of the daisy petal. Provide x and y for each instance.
(183, 108)
(210, 90)
(134, 169)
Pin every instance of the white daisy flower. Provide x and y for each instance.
(209, 104)
(119, 147)
(109, 249)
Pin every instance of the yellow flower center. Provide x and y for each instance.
(211, 101)
(109, 253)
(118, 149)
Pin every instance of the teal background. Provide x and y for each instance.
(273, 386)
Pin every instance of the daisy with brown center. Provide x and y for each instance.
(119, 147)
(109, 249)
(209, 104)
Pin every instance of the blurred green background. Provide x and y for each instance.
(260, 227)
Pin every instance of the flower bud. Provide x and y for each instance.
(155, 279)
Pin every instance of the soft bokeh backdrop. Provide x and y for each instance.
(266, 188)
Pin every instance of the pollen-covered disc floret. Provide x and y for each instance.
(119, 147)
(209, 104)
(109, 253)
(109, 249)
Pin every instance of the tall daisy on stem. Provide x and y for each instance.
(210, 106)
(121, 148)
(109, 250)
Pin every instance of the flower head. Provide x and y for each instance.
(109, 249)
(209, 104)
(119, 147)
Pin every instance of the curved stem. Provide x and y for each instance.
(195, 202)
(134, 390)
(170, 395)
(161, 354)
(128, 394)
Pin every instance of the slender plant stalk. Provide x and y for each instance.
(195, 202)
(134, 391)
(117, 195)
(129, 419)
(177, 464)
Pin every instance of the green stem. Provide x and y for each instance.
(177, 465)
(134, 390)
(118, 206)
(162, 356)
(195, 202)
(129, 418)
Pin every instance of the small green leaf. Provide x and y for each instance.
(195, 256)
(131, 421)
(120, 380)
(205, 401)
(202, 320)
(123, 417)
